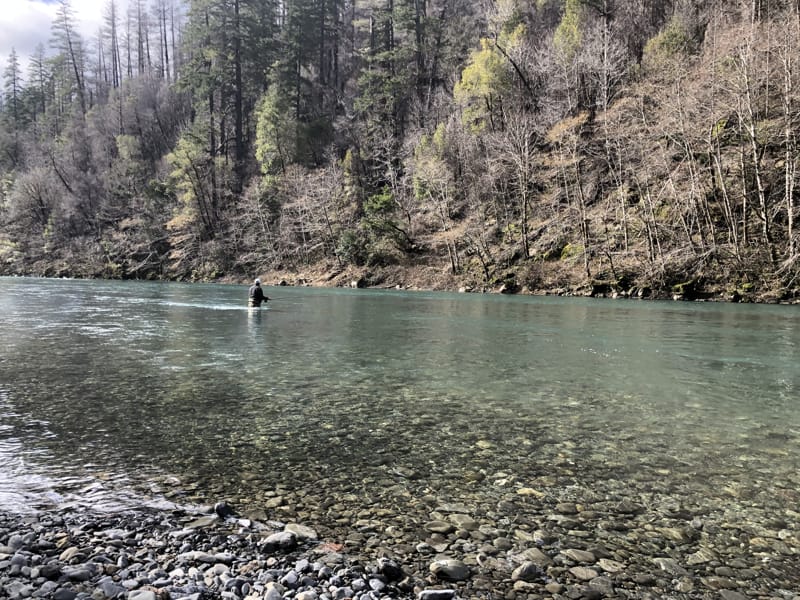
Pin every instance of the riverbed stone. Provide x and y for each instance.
(204, 521)
(554, 587)
(703, 555)
(583, 573)
(537, 557)
(389, 569)
(69, 553)
(142, 595)
(644, 579)
(610, 566)
(450, 569)
(302, 532)
(462, 521)
(602, 584)
(581, 556)
(726, 594)
(719, 583)
(17, 590)
(453, 507)
(684, 585)
(567, 508)
(628, 507)
(437, 595)
(527, 571)
(636, 555)
(281, 541)
(442, 527)
(670, 565)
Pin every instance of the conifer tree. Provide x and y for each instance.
(67, 42)
(12, 110)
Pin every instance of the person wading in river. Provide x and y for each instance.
(257, 295)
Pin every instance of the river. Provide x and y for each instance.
(341, 406)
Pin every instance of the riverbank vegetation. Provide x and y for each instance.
(578, 146)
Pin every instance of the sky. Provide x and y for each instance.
(26, 23)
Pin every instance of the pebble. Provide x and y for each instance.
(583, 573)
(437, 595)
(610, 566)
(450, 569)
(442, 527)
(527, 571)
(731, 595)
(562, 542)
(580, 556)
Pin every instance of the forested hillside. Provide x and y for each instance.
(581, 146)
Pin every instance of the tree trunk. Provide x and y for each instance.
(238, 101)
(790, 142)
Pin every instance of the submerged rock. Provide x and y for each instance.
(450, 569)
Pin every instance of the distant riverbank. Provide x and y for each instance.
(541, 278)
(514, 282)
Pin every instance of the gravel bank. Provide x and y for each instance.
(216, 554)
(159, 556)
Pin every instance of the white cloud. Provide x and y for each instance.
(26, 23)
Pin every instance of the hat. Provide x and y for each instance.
(258, 282)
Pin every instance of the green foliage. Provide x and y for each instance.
(487, 80)
(484, 81)
(351, 248)
(685, 288)
(383, 252)
(379, 220)
(9, 251)
(379, 205)
(128, 148)
(276, 132)
(188, 152)
(386, 88)
(432, 180)
(674, 41)
(351, 177)
(571, 251)
(350, 87)
(508, 21)
(6, 185)
(313, 139)
(192, 175)
(439, 140)
(569, 34)
(719, 128)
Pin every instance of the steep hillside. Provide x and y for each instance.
(608, 147)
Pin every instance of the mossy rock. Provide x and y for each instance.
(571, 251)
(686, 290)
(742, 293)
(554, 250)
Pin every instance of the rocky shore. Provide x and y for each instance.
(217, 554)
(159, 556)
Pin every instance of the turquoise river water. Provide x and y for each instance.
(117, 394)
